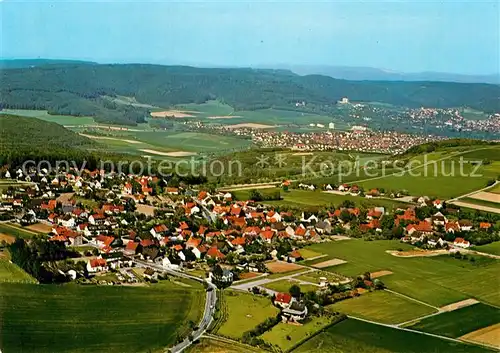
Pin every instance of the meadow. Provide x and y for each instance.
(11, 273)
(242, 312)
(72, 318)
(219, 345)
(285, 284)
(17, 231)
(459, 322)
(479, 202)
(492, 248)
(361, 337)
(44, 115)
(300, 198)
(286, 336)
(382, 306)
(437, 280)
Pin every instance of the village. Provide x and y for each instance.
(126, 229)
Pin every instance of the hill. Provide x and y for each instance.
(6, 64)
(23, 138)
(375, 74)
(82, 89)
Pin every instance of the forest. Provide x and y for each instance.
(84, 89)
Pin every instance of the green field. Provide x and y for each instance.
(437, 280)
(382, 306)
(243, 312)
(314, 277)
(309, 254)
(286, 336)
(492, 248)
(481, 202)
(354, 336)
(72, 318)
(16, 231)
(285, 284)
(220, 345)
(10, 272)
(460, 322)
(495, 189)
(43, 115)
(302, 198)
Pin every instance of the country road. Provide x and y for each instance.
(211, 300)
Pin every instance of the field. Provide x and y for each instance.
(461, 321)
(244, 312)
(285, 284)
(303, 198)
(219, 345)
(351, 336)
(495, 189)
(59, 119)
(93, 318)
(279, 333)
(281, 266)
(382, 306)
(10, 272)
(492, 248)
(489, 335)
(309, 254)
(314, 277)
(486, 196)
(17, 231)
(437, 280)
(482, 202)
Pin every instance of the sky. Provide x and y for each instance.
(406, 36)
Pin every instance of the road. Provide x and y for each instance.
(210, 301)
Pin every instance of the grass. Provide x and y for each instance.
(315, 276)
(495, 189)
(285, 335)
(244, 312)
(481, 202)
(209, 345)
(492, 248)
(318, 198)
(438, 280)
(382, 306)
(284, 274)
(285, 284)
(308, 254)
(446, 180)
(16, 231)
(10, 272)
(461, 321)
(43, 115)
(71, 318)
(357, 336)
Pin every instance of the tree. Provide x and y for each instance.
(294, 291)
(255, 195)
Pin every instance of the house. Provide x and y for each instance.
(159, 231)
(484, 225)
(283, 300)
(438, 204)
(131, 248)
(465, 225)
(295, 312)
(423, 227)
(452, 227)
(97, 265)
(215, 253)
(172, 191)
(438, 219)
(295, 256)
(461, 243)
(434, 241)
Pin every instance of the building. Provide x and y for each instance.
(295, 312)
(283, 300)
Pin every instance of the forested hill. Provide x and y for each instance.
(23, 138)
(80, 89)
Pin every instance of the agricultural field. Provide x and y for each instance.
(286, 336)
(68, 315)
(242, 312)
(459, 322)
(301, 198)
(285, 284)
(361, 337)
(17, 231)
(495, 189)
(309, 254)
(479, 202)
(382, 306)
(492, 248)
(11, 273)
(314, 277)
(436, 280)
(219, 345)
(67, 120)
